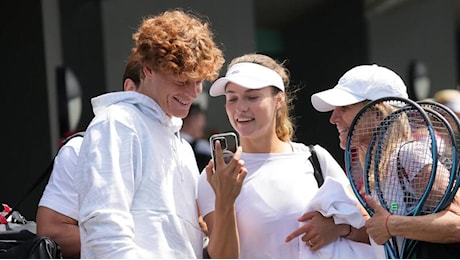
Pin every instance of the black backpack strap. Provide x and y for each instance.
(45, 174)
(316, 166)
(67, 139)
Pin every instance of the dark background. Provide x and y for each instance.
(319, 40)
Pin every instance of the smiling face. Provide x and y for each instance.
(252, 112)
(174, 94)
(342, 117)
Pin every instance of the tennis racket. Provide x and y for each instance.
(360, 148)
(454, 123)
(413, 183)
(447, 171)
(446, 126)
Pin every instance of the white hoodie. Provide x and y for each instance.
(136, 182)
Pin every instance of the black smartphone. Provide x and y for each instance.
(228, 142)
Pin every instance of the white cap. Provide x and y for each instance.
(364, 82)
(249, 75)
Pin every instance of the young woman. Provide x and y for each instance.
(262, 214)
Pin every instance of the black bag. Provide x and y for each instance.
(27, 245)
(18, 238)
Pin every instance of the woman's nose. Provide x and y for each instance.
(334, 117)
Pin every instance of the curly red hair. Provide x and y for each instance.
(178, 42)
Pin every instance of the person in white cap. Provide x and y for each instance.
(264, 215)
(355, 89)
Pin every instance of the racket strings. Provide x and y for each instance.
(361, 168)
(400, 158)
(394, 130)
(446, 170)
(454, 124)
(443, 133)
(402, 155)
(446, 127)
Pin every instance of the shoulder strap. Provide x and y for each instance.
(316, 166)
(67, 139)
(193, 144)
(402, 174)
(46, 173)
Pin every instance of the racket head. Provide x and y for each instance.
(454, 123)
(440, 194)
(446, 112)
(447, 164)
(405, 166)
(361, 141)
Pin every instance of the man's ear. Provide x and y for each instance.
(129, 85)
(147, 71)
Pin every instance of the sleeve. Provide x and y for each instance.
(60, 194)
(206, 196)
(413, 157)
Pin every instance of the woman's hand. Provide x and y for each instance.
(318, 231)
(227, 179)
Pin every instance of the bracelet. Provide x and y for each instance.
(386, 225)
(349, 231)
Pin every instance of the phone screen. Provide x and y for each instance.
(228, 142)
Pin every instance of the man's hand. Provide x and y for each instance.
(376, 226)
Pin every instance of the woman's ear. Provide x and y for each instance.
(280, 99)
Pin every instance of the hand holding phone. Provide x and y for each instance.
(226, 181)
(228, 143)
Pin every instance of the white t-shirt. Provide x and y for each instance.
(60, 194)
(413, 156)
(275, 193)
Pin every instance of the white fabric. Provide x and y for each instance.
(201, 145)
(379, 250)
(136, 183)
(249, 75)
(332, 200)
(392, 190)
(364, 82)
(275, 193)
(60, 194)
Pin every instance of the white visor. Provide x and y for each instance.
(248, 75)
